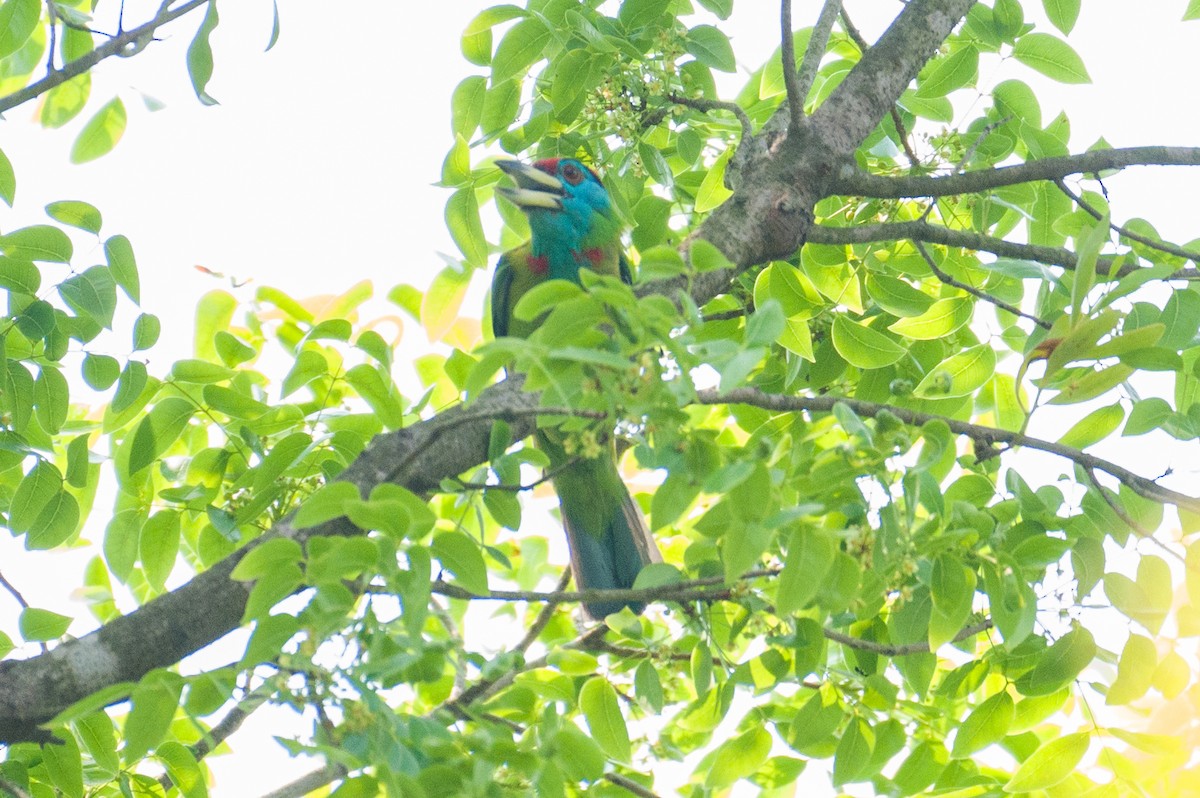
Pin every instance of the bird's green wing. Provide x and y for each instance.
(626, 272)
(502, 282)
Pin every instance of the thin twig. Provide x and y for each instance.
(115, 46)
(546, 477)
(1138, 530)
(701, 104)
(543, 617)
(1161, 246)
(229, 724)
(984, 437)
(975, 292)
(16, 594)
(906, 649)
(629, 784)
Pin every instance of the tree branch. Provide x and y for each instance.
(975, 292)
(982, 436)
(978, 180)
(903, 649)
(229, 724)
(813, 54)
(302, 786)
(115, 46)
(968, 239)
(1161, 246)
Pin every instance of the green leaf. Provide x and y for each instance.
(1094, 427)
(440, 305)
(466, 105)
(960, 374)
(738, 758)
(1062, 13)
(51, 398)
(986, 724)
(1171, 676)
(543, 298)
(8, 180)
(77, 214)
(598, 701)
(130, 386)
(119, 254)
(146, 329)
(55, 523)
(65, 766)
(159, 546)
(462, 219)
(896, 296)
(98, 735)
(950, 73)
(181, 766)
(1181, 316)
(160, 428)
(942, 318)
(1060, 664)
(100, 371)
(638, 13)
(200, 372)
(268, 556)
(712, 191)
(1135, 671)
(326, 504)
(711, 47)
(101, 133)
(1050, 764)
(18, 18)
(863, 346)
(199, 56)
(36, 489)
(853, 752)
(1051, 56)
(1193, 10)
(38, 242)
(952, 589)
(40, 625)
(93, 294)
(309, 366)
(809, 557)
(522, 46)
(20, 276)
(461, 555)
(154, 702)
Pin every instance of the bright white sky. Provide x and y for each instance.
(316, 171)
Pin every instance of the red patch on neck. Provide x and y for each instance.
(595, 255)
(539, 264)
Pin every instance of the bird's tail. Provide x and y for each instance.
(613, 558)
(609, 540)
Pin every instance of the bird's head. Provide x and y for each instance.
(562, 198)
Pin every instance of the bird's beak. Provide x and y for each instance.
(535, 188)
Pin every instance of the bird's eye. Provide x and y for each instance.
(571, 174)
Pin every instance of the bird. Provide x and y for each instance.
(574, 226)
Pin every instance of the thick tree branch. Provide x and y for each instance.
(787, 62)
(977, 180)
(984, 437)
(901, 129)
(117, 45)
